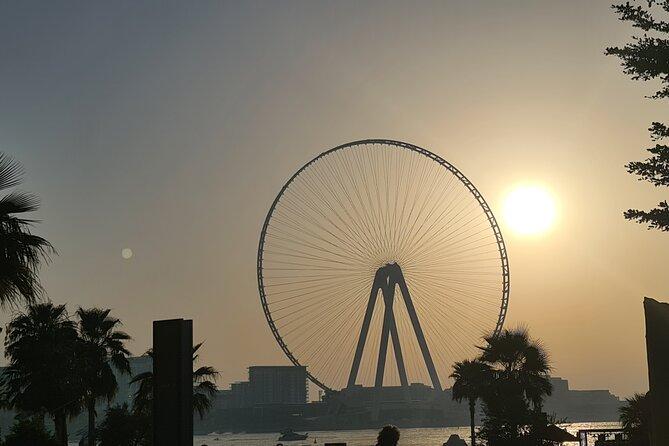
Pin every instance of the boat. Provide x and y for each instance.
(291, 435)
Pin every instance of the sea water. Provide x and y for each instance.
(408, 437)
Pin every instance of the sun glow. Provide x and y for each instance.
(529, 210)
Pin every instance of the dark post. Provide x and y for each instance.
(173, 382)
(657, 348)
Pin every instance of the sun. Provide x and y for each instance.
(529, 210)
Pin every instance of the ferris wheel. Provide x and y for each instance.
(381, 245)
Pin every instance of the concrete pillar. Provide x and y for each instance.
(173, 382)
(657, 348)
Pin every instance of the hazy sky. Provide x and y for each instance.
(169, 129)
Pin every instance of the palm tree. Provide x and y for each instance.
(204, 387)
(520, 360)
(29, 431)
(520, 369)
(471, 379)
(122, 427)
(102, 350)
(43, 375)
(21, 253)
(635, 418)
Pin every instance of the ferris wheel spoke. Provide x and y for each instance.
(412, 209)
(420, 232)
(363, 211)
(311, 324)
(450, 299)
(317, 331)
(413, 230)
(339, 290)
(305, 293)
(435, 239)
(319, 348)
(468, 223)
(447, 352)
(447, 323)
(293, 314)
(376, 204)
(354, 224)
(472, 228)
(442, 235)
(299, 228)
(452, 283)
(301, 306)
(345, 231)
(457, 251)
(472, 294)
(308, 246)
(308, 255)
(477, 239)
(375, 201)
(452, 267)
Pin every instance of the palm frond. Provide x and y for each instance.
(201, 404)
(205, 373)
(206, 387)
(18, 202)
(11, 172)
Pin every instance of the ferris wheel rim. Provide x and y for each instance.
(501, 246)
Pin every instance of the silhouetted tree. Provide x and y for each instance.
(29, 431)
(635, 418)
(102, 349)
(21, 253)
(472, 378)
(522, 360)
(647, 58)
(120, 427)
(513, 402)
(43, 375)
(204, 387)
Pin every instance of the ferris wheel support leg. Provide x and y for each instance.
(389, 328)
(383, 347)
(399, 359)
(378, 281)
(399, 278)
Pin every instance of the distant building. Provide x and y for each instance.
(278, 384)
(273, 398)
(240, 395)
(581, 405)
(267, 385)
(276, 397)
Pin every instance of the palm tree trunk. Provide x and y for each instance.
(472, 415)
(90, 406)
(60, 425)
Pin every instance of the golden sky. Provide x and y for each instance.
(170, 129)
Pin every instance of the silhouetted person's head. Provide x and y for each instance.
(388, 436)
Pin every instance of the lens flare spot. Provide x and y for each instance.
(126, 253)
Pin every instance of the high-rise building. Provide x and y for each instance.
(278, 384)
